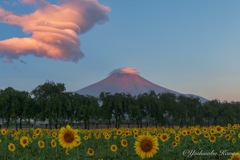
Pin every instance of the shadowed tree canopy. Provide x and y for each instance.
(50, 97)
(51, 103)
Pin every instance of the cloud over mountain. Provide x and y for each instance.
(128, 80)
(54, 29)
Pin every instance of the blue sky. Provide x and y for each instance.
(186, 46)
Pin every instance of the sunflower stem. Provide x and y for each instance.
(5, 143)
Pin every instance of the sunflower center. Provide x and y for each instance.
(146, 145)
(68, 137)
(24, 141)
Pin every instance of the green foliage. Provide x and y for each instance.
(100, 141)
(51, 102)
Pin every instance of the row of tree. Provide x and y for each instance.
(51, 102)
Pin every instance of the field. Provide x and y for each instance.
(158, 143)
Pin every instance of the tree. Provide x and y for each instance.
(188, 110)
(20, 106)
(211, 111)
(73, 111)
(89, 109)
(168, 100)
(147, 103)
(7, 102)
(157, 112)
(32, 109)
(105, 106)
(119, 104)
(50, 98)
(133, 111)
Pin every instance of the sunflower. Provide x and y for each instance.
(212, 138)
(89, 136)
(238, 135)
(224, 131)
(204, 129)
(212, 131)
(107, 136)
(235, 126)
(135, 131)
(34, 136)
(164, 137)
(41, 144)
(146, 146)
(174, 144)
(135, 136)
(229, 125)
(232, 132)
(90, 151)
(218, 129)
(126, 129)
(85, 138)
(184, 132)
(127, 133)
(114, 148)
(177, 138)
(206, 135)
(119, 132)
(228, 136)
(197, 131)
(98, 136)
(38, 131)
(11, 147)
(68, 137)
(4, 131)
(54, 134)
(124, 142)
(235, 156)
(172, 131)
(234, 140)
(24, 141)
(53, 143)
(194, 139)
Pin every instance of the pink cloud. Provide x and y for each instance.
(27, 1)
(54, 29)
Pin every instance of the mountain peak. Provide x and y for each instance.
(123, 80)
(126, 80)
(124, 70)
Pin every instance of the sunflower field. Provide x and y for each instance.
(156, 143)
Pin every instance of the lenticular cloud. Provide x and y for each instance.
(54, 29)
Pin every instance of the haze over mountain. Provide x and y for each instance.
(127, 80)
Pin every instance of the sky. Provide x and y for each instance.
(191, 47)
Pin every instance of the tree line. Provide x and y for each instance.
(51, 102)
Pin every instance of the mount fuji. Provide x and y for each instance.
(127, 80)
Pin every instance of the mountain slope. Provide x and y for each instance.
(124, 80)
